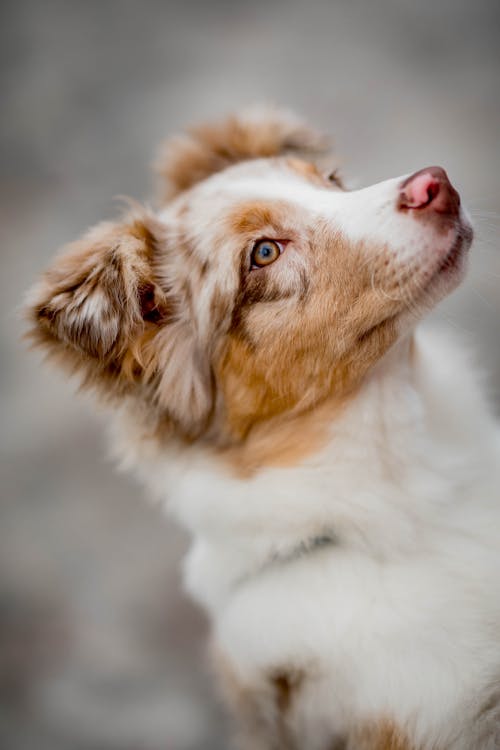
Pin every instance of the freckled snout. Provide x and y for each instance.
(429, 192)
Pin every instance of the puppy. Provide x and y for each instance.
(337, 468)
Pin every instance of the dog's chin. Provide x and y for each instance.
(447, 273)
(449, 270)
(453, 263)
(452, 267)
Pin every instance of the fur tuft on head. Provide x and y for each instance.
(257, 132)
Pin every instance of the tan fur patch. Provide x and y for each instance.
(283, 441)
(253, 216)
(383, 735)
(307, 169)
(257, 387)
(321, 351)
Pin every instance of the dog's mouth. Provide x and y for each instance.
(439, 272)
(459, 246)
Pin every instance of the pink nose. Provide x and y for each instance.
(429, 190)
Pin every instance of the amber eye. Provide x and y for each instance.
(265, 252)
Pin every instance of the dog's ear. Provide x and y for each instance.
(254, 133)
(100, 312)
(98, 293)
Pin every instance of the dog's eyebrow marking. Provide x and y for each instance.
(253, 216)
(308, 170)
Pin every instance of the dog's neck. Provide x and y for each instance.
(390, 467)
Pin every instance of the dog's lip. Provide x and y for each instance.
(449, 267)
(460, 244)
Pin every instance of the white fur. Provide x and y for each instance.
(402, 618)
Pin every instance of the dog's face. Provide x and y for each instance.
(260, 290)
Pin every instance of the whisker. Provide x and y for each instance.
(453, 323)
(478, 294)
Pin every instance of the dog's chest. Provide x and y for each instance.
(338, 639)
(393, 619)
(401, 617)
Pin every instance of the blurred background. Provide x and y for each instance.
(99, 648)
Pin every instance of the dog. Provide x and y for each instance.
(257, 340)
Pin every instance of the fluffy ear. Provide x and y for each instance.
(100, 311)
(254, 133)
(95, 298)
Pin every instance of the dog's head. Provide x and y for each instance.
(262, 287)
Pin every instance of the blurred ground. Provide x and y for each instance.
(99, 649)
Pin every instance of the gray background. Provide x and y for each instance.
(99, 649)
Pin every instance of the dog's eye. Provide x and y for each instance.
(265, 252)
(335, 178)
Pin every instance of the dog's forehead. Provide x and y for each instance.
(291, 182)
(283, 179)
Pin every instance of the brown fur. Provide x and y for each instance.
(281, 424)
(210, 148)
(97, 299)
(285, 684)
(265, 713)
(329, 341)
(262, 711)
(254, 217)
(255, 713)
(101, 312)
(381, 735)
(283, 441)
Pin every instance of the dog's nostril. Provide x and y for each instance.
(430, 190)
(419, 190)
